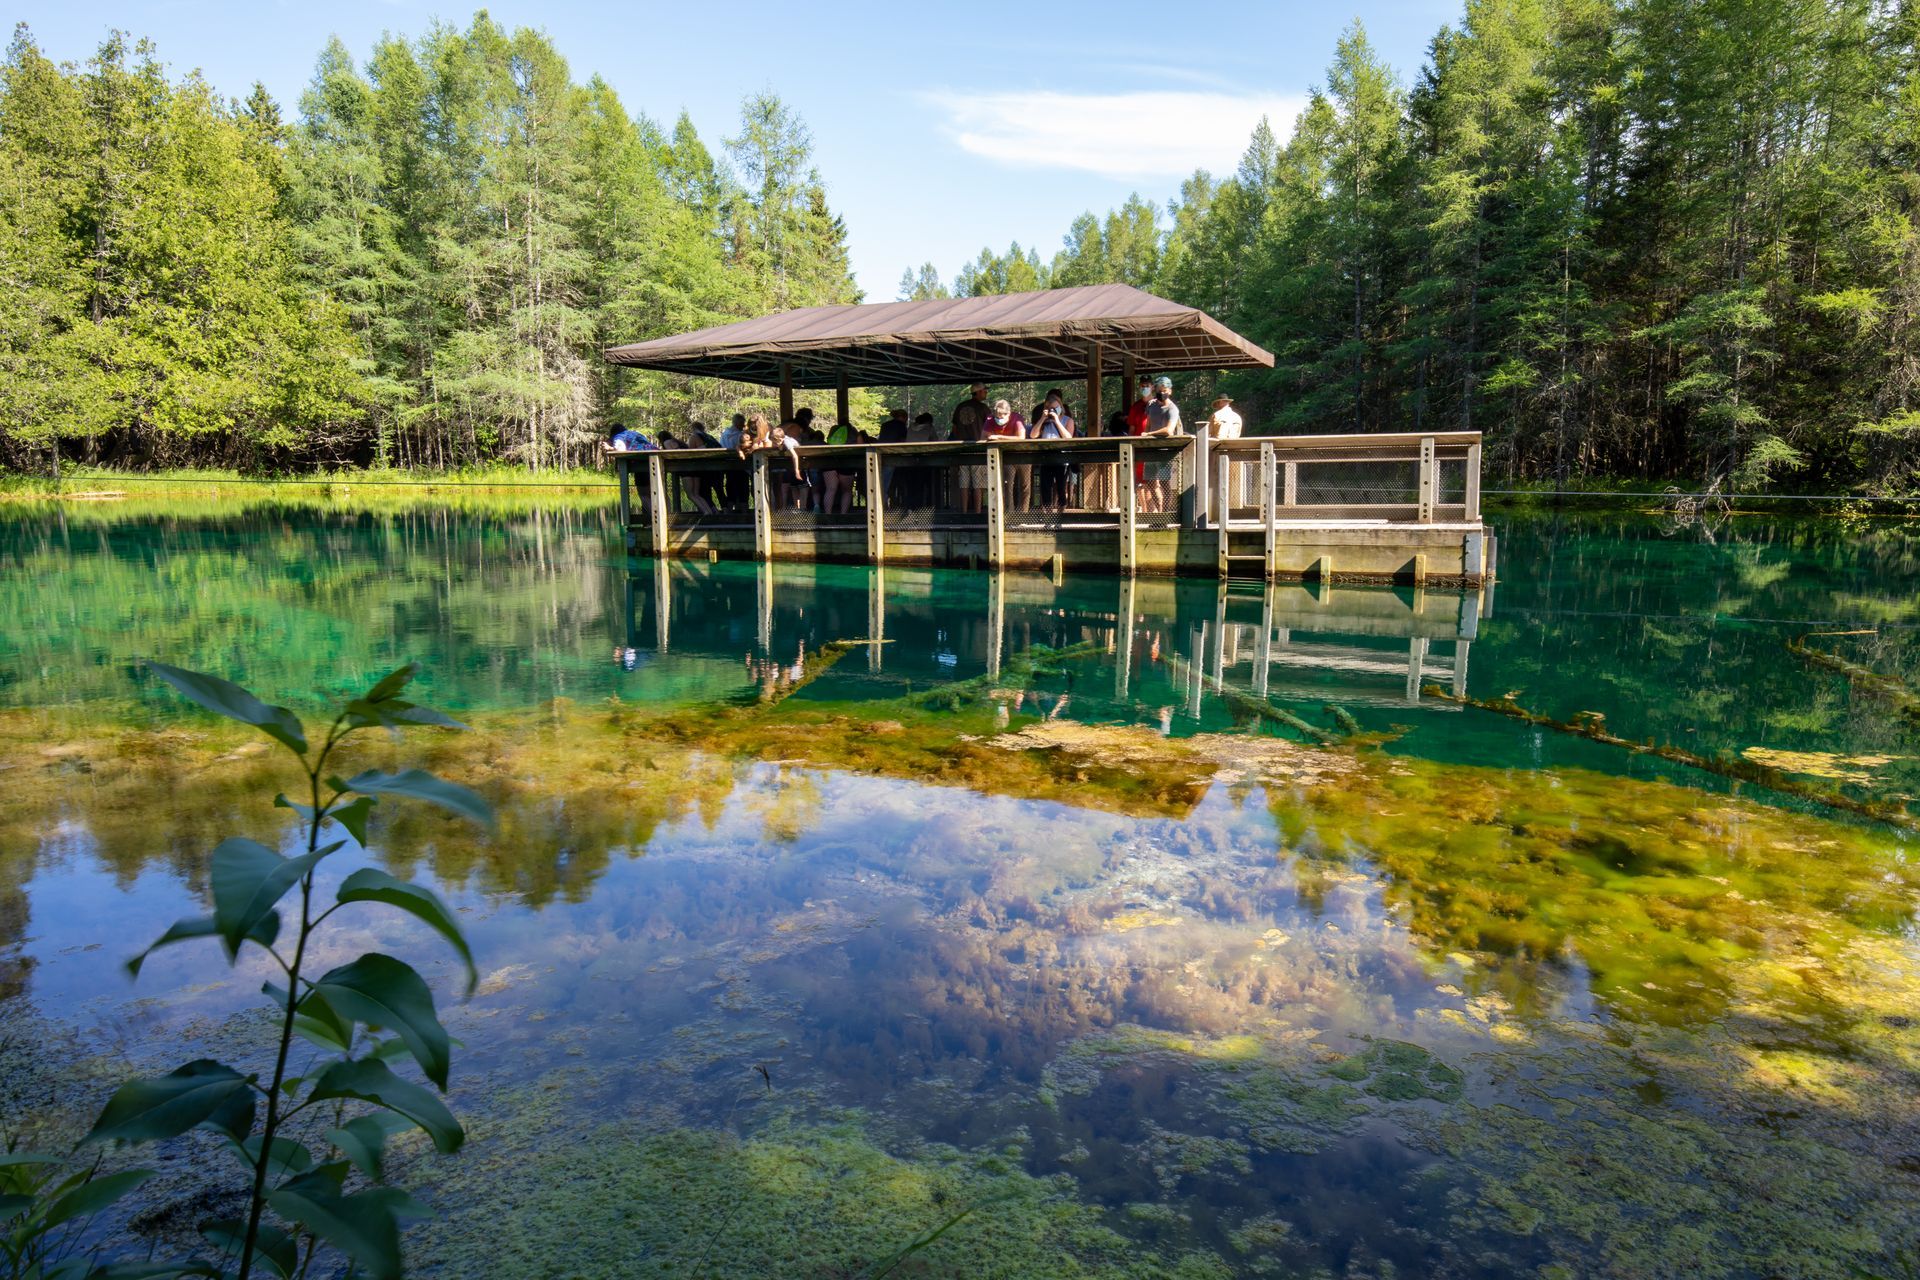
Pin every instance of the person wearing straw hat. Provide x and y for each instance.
(1224, 424)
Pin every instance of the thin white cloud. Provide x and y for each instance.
(1154, 134)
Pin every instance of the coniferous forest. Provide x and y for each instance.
(1658, 239)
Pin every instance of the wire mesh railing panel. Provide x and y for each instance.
(922, 493)
(1160, 483)
(1356, 484)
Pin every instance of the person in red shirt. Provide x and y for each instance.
(1137, 425)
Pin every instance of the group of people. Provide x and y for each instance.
(1050, 485)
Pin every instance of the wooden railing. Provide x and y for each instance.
(1121, 483)
(1420, 478)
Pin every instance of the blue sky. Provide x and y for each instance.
(938, 128)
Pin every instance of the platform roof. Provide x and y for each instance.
(1038, 336)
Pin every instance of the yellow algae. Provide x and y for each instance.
(1822, 764)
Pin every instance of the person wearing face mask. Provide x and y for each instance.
(1004, 424)
(1053, 422)
(1161, 418)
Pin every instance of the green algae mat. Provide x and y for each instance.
(830, 906)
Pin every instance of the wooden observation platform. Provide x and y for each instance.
(1364, 507)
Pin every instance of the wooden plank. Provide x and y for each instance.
(1269, 513)
(662, 604)
(1429, 480)
(996, 511)
(876, 510)
(626, 500)
(1290, 497)
(1090, 414)
(1473, 482)
(844, 415)
(1224, 497)
(657, 500)
(786, 391)
(1129, 508)
(1197, 517)
(762, 498)
(996, 621)
(1263, 644)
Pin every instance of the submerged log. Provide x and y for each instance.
(1591, 725)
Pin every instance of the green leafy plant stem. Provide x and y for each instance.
(258, 1200)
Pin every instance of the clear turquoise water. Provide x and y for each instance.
(959, 962)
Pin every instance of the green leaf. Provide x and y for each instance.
(223, 697)
(421, 785)
(319, 1022)
(152, 1270)
(393, 682)
(364, 1226)
(264, 931)
(353, 816)
(281, 801)
(234, 1117)
(271, 1245)
(13, 1204)
(384, 992)
(371, 1080)
(289, 1157)
(91, 1196)
(373, 885)
(248, 879)
(362, 1140)
(166, 1106)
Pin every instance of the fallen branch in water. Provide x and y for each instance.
(1252, 704)
(1592, 726)
(1893, 689)
(1017, 672)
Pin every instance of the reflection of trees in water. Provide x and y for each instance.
(294, 599)
(15, 966)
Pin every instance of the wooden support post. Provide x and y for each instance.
(1129, 504)
(1196, 668)
(626, 500)
(1263, 646)
(1123, 641)
(1416, 665)
(657, 500)
(1322, 570)
(843, 414)
(1223, 494)
(786, 392)
(876, 617)
(1220, 629)
(996, 511)
(1129, 379)
(996, 621)
(1059, 568)
(876, 510)
(1473, 483)
(1090, 415)
(763, 583)
(1429, 476)
(762, 509)
(662, 604)
(1290, 490)
(1419, 572)
(1201, 515)
(1269, 514)
(1460, 648)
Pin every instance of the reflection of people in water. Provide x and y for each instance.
(775, 678)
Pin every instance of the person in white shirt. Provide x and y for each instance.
(1225, 423)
